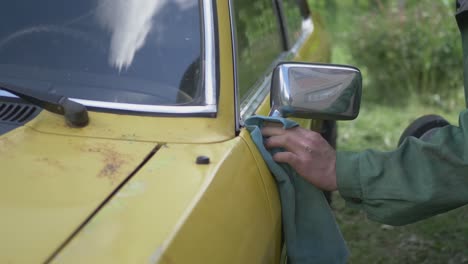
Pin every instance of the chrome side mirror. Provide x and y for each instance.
(319, 91)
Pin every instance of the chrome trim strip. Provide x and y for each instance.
(165, 109)
(330, 66)
(234, 63)
(7, 94)
(259, 91)
(210, 79)
(210, 55)
(148, 108)
(249, 106)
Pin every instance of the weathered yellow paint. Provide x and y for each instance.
(189, 213)
(141, 128)
(270, 188)
(232, 221)
(51, 184)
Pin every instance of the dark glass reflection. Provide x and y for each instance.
(258, 41)
(125, 51)
(293, 18)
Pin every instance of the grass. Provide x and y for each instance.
(379, 126)
(440, 239)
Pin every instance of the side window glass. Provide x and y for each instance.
(293, 18)
(258, 41)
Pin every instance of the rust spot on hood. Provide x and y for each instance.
(113, 161)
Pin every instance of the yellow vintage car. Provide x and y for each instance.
(121, 128)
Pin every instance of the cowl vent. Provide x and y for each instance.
(17, 114)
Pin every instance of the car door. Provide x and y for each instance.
(265, 33)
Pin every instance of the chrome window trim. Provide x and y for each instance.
(210, 53)
(169, 109)
(234, 66)
(331, 67)
(255, 98)
(259, 91)
(7, 94)
(210, 82)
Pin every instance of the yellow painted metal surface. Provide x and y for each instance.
(51, 184)
(232, 222)
(317, 47)
(176, 211)
(269, 184)
(142, 128)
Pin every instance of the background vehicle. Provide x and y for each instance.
(164, 170)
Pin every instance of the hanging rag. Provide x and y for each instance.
(310, 230)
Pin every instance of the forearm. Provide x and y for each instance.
(416, 181)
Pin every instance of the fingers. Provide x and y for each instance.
(307, 152)
(282, 141)
(296, 140)
(269, 131)
(278, 137)
(286, 157)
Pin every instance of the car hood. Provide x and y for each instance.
(52, 184)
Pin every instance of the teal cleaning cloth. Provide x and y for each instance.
(310, 230)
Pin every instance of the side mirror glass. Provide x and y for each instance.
(318, 91)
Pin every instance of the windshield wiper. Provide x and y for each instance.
(75, 113)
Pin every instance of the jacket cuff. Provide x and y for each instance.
(348, 178)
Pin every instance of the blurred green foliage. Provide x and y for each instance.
(405, 48)
(408, 49)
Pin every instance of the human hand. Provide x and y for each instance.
(307, 152)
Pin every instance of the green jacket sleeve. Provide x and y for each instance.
(418, 180)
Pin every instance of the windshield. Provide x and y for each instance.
(120, 51)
